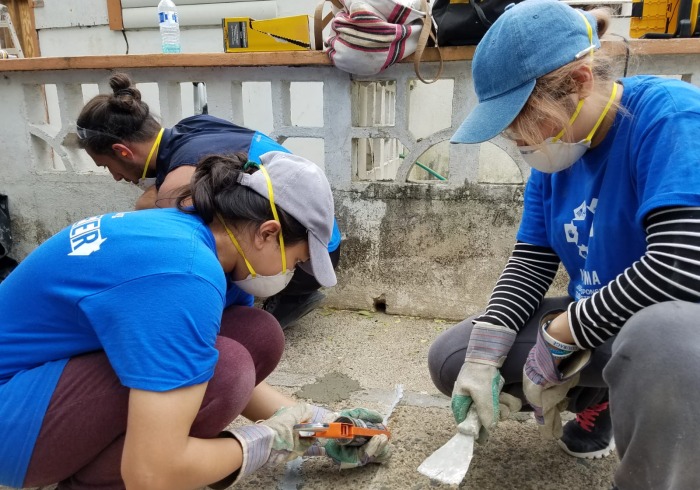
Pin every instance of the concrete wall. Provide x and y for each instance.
(417, 249)
(410, 248)
(424, 251)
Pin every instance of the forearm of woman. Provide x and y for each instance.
(158, 451)
(147, 200)
(560, 330)
(265, 401)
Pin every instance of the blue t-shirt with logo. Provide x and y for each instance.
(93, 287)
(195, 137)
(592, 214)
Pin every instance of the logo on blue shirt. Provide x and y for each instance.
(85, 236)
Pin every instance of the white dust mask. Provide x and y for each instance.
(554, 155)
(265, 286)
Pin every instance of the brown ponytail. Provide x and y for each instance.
(115, 118)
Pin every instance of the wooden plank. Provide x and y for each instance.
(114, 12)
(28, 37)
(291, 58)
(22, 14)
(638, 47)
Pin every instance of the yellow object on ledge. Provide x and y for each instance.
(658, 19)
(243, 34)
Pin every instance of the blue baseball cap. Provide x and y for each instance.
(530, 39)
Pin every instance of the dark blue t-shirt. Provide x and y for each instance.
(592, 214)
(195, 137)
(92, 287)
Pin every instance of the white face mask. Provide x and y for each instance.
(265, 286)
(554, 155)
(146, 183)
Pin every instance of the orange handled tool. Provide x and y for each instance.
(345, 433)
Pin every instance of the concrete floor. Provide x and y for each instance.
(346, 359)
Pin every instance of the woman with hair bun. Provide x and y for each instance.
(614, 196)
(96, 391)
(119, 132)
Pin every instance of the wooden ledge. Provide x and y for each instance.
(644, 47)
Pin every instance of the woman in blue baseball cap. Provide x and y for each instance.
(614, 196)
(98, 392)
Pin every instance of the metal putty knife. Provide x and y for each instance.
(450, 463)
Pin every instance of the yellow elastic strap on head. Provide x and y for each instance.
(155, 146)
(274, 214)
(571, 120)
(589, 29)
(235, 244)
(602, 116)
(591, 48)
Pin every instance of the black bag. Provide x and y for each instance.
(5, 234)
(463, 22)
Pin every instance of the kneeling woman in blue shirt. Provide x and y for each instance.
(120, 370)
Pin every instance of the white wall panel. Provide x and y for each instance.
(70, 13)
(200, 15)
(126, 4)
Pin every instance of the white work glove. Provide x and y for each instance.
(272, 440)
(479, 382)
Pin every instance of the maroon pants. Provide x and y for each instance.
(81, 440)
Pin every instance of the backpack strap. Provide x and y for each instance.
(320, 22)
(425, 34)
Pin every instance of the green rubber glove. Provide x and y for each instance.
(377, 450)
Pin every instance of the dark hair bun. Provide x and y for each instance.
(126, 96)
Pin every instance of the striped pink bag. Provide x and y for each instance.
(368, 36)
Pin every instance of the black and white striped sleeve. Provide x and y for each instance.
(521, 286)
(668, 271)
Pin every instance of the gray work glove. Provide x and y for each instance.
(546, 386)
(479, 382)
(272, 440)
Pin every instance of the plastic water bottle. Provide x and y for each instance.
(169, 26)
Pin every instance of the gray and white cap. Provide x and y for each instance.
(300, 187)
